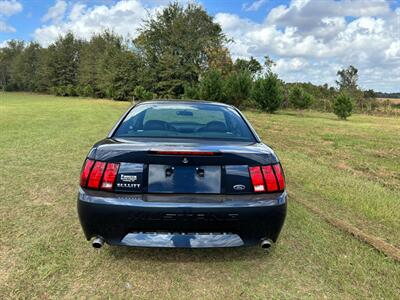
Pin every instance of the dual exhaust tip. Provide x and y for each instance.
(98, 242)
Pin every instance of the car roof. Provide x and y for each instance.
(177, 101)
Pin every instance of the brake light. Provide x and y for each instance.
(279, 176)
(270, 180)
(186, 153)
(257, 179)
(86, 171)
(96, 174)
(109, 176)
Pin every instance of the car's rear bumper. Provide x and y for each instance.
(152, 220)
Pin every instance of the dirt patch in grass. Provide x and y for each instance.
(343, 166)
(380, 245)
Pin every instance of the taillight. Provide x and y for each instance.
(86, 171)
(96, 174)
(257, 179)
(279, 176)
(268, 178)
(183, 152)
(109, 176)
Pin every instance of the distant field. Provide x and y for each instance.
(348, 169)
(391, 100)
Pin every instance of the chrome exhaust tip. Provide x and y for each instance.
(98, 242)
(266, 244)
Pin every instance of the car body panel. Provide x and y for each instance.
(138, 151)
(113, 217)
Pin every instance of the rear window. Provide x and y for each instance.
(191, 121)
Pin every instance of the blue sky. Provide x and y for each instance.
(308, 39)
(30, 17)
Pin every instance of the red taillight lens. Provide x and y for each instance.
(86, 171)
(270, 180)
(257, 179)
(96, 174)
(279, 176)
(109, 176)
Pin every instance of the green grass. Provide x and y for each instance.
(349, 169)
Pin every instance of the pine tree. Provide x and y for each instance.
(267, 93)
(343, 106)
(211, 86)
(238, 87)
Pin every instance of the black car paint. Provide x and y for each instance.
(113, 216)
(252, 217)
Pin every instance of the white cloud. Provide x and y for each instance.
(4, 27)
(124, 18)
(10, 7)
(293, 64)
(256, 5)
(7, 9)
(56, 12)
(307, 13)
(77, 11)
(324, 18)
(4, 43)
(310, 40)
(393, 52)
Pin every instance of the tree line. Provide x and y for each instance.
(388, 95)
(179, 52)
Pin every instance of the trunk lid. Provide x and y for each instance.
(183, 167)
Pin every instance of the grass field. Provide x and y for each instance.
(349, 169)
(391, 100)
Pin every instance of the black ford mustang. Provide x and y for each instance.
(182, 174)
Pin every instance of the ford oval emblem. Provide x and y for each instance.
(239, 187)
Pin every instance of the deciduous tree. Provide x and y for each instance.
(347, 78)
(251, 65)
(8, 56)
(299, 98)
(175, 45)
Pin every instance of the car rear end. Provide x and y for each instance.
(181, 192)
